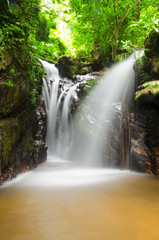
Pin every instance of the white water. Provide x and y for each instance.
(111, 88)
(58, 111)
(50, 93)
(83, 138)
(63, 137)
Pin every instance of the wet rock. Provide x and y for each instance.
(147, 113)
(152, 138)
(6, 59)
(140, 156)
(22, 130)
(16, 146)
(21, 150)
(139, 150)
(41, 148)
(112, 150)
(69, 66)
(9, 136)
(10, 100)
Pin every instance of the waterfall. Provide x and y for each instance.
(58, 110)
(63, 137)
(50, 93)
(83, 138)
(96, 113)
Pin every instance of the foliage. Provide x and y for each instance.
(45, 42)
(50, 51)
(99, 30)
(25, 31)
(148, 87)
(90, 84)
(106, 28)
(149, 20)
(25, 23)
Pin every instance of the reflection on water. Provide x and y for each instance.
(60, 201)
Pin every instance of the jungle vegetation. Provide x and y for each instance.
(92, 29)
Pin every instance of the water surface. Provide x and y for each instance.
(60, 201)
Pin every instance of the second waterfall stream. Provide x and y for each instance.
(82, 137)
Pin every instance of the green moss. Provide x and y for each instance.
(12, 71)
(29, 141)
(10, 83)
(9, 145)
(1, 53)
(73, 70)
(13, 133)
(11, 98)
(9, 134)
(85, 70)
(90, 84)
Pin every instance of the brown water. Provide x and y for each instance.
(62, 202)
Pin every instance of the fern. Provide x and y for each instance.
(147, 88)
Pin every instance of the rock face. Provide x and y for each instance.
(152, 139)
(69, 66)
(22, 120)
(139, 149)
(146, 141)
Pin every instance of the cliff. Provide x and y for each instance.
(146, 123)
(22, 114)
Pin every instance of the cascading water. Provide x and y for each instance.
(111, 88)
(83, 139)
(57, 110)
(63, 128)
(50, 93)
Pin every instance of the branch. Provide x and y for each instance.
(125, 13)
(112, 34)
(116, 15)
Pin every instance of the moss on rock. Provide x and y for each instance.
(69, 66)
(10, 99)
(5, 58)
(9, 135)
(20, 89)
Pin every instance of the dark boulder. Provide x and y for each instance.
(69, 66)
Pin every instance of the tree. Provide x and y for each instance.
(100, 27)
(119, 20)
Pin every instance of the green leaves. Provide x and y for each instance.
(92, 29)
(147, 88)
(120, 25)
(148, 21)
